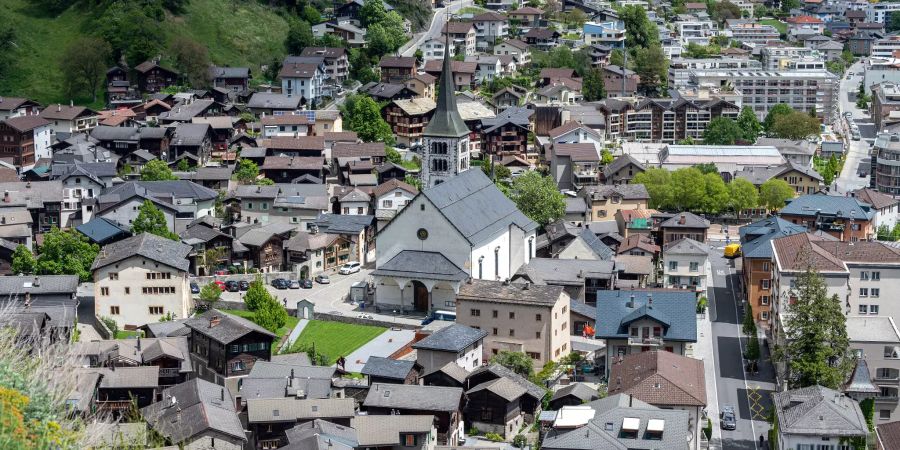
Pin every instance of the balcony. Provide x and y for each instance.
(116, 405)
(169, 372)
(886, 398)
(645, 341)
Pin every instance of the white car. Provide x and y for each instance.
(350, 267)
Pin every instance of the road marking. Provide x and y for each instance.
(757, 411)
(721, 273)
(738, 321)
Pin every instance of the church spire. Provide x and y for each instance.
(446, 121)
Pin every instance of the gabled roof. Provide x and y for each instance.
(419, 264)
(818, 411)
(502, 387)
(12, 286)
(620, 163)
(415, 397)
(389, 430)
(848, 208)
(580, 391)
(454, 338)
(624, 191)
(593, 242)
(584, 152)
(475, 206)
(673, 309)
(452, 370)
(660, 378)
(498, 371)
(228, 329)
(799, 251)
(638, 241)
(392, 184)
(685, 220)
(65, 112)
(755, 237)
(11, 103)
(26, 123)
(156, 248)
(877, 199)
(394, 369)
(685, 246)
(403, 62)
(101, 230)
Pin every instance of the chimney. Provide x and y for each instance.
(506, 282)
(58, 107)
(36, 282)
(28, 185)
(630, 400)
(71, 103)
(6, 196)
(214, 321)
(527, 286)
(3, 220)
(649, 300)
(681, 220)
(630, 303)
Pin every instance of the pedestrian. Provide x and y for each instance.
(285, 302)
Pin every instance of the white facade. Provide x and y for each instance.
(487, 32)
(355, 208)
(522, 56)
(126, 212)
(309, 88)
(42, 142)
(878, 12)
(685, 271)
(138, 291)
(77, 189)
(77, 125)
(696, 32)
(434, 49)
(393, 200)
(470, 358)
(875, 340)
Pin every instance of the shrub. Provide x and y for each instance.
(520, 441)
(493, 437)
(474, 431)
(708, 430)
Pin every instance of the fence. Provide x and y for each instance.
(266, 277)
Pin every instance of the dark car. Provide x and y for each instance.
(306, 283)
(729, 421)
(244, 285)
(232, 286)
(195, 288)
(281, 283)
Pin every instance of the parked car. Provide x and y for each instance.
(294, 284)
(232, 286)
(280, 283)
(195, 288)
(729, 421)
(350, 267)
(244, 285)
(306, 283)
(322, 279)
(221, 272)
(220, 284)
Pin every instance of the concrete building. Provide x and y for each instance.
(680, 68)
(844, 218)
(142, 279)
(518, 317)
(802, 90)
(752, 33)
(885, 206)
(457, 343)
(604, 201)
(611, 34)
(808, 416)
(875, 341)
(684, 265)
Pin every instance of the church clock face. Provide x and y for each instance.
(422, 234)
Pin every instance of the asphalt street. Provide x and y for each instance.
(857, 151)
(747, 393)
(434, 29)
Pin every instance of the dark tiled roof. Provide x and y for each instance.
(878, 200)
(839, 206)
(685, 220)
(393, 369)
(799, 251)
(408, 396)
(674, 310)
(343, 223)
(596, 245)
(580, 391)
(516, 293)
(620, 163)
(26, 123)
(756, 236)
(454, 338)
(888, 434)
(38, 285)
(817, 410)
(498, 371)
(156, 248)
(419, 264)
(660, 378)
(228, 329)
(685, 246)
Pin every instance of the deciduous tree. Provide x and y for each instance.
(518, 362)
(716, 199)
(23, 261)
(84, 64)
(639, 31)
(210, 293)
(299, 36)
(795, 125)
(192, 60)
(651, 65)
(157, 170)
(657, 181)
(66, 253)
(749, 124)
(593, 87)
(363, 115)
(775, 112)
(538, 197)
(742, 195)
(246, 171)
(151, 220)
(688, 189)
(722, 131)
(774, 193)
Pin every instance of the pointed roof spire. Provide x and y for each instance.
(446, 121)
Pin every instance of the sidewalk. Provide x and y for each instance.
(295, 333)
(704, 351)
(383, 345)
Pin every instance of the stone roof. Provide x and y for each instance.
(502, 387)
(685, 220)
(288, 409)
(498, 371)
(387, 431)
(685, 246)
(818, 411)
(580, 391)
(415, 397)
(394, 369)
(624, 191)
(454, 338)
(194, 407)
(620, 163)
(564, 272)
(593, 242)
(156, 248)
(418, 264)
(513, 293)
(13, 285)
(228, 329)
(660, 378)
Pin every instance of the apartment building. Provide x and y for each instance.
(696, 31)
(752, 33)
(881, 70)
(463, 37)
(611, 33)
(684, 265)
(886, 163)
(141, 279)
(811, 90)
(779, 58)
(527, 318)
(844, 218)
(885, 107)
(680, 68)
(756, 254)
(490, 27)
(858, 273)
(878, 12)
(337, 62)
(875, 342)
(605, 201)
(665, 120)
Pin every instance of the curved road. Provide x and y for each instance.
(434, 30)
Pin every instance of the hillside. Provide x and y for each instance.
(237, 33)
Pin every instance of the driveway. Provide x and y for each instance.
(384, 345)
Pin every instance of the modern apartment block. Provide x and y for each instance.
(753, 33)
(662, 119)
(885, 48)
(874, 340)
(802, 90)
(886, 163)
(780, 58)
(680, 68)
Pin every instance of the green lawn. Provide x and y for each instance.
(779, 25)
(122, 334)
(470, 10)
(286, 329)
(335, 339)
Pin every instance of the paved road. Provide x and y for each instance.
(747, 393)
(434, 29)
(849, 179)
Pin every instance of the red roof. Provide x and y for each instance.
(804, 19)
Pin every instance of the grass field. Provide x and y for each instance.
(237, 33)
(291, 323)
(336, 339)
(122, 334)
(779, 25)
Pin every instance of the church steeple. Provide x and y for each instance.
(446, 121)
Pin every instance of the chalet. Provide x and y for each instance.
(573, 395)
(196, 414)
(408, 118)
(153, 78)
(500, 401)
(264, 245)
(16, 106)
(25, 139)
(411, 400)
(271, 419)
(224, 346)
(391, 371)
(622, 170)
(170, 354)
(233, 79)
(542, 38)
(397, 69)
(350, 10)
(285, 169)
(69, 119)
(271, 103)
(387, 91)
(463, 73)
(683, 225)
